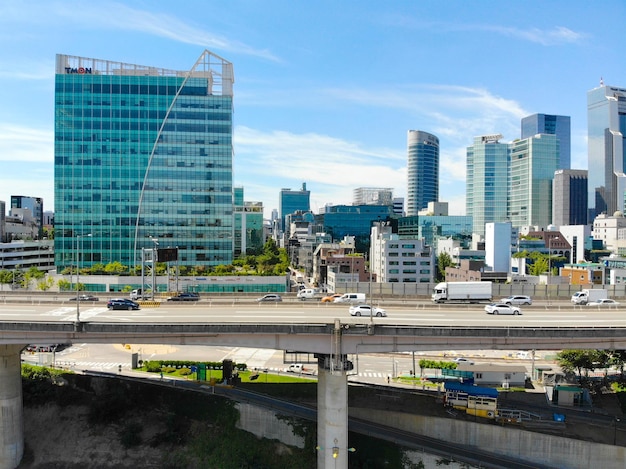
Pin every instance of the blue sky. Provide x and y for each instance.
(325, 91)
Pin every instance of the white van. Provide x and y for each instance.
(352, 298)
(307, 294)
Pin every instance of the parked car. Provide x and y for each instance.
(331, 298)
(517, 300)
(367, 310)
(185, 297)
(502, 308)
(85, 298)
(122, 303)
(270, 297)
(605, 302)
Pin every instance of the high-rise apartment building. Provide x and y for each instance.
(606, 122)
(487, 187)
(291, 201)
(143, 155)
(569, 197)
(422, 170)
(551, 125)
(533, 163)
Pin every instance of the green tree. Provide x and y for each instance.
(579, 361)
(64, 285)
(443, 260)
(540, 266)
(115, 268)
(45, 284)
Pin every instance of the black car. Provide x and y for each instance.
(122, 303)
(184, 297)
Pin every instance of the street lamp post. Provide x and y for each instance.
(78, 246)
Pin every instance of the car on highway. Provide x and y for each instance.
(517, 300)
(502, 308)
(122, 303)
(85, 298)
(270, 297)
(186, 296)
(367, 310)
(331, 298)
(604, 302)
(463, 360)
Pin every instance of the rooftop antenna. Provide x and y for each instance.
(601, 82)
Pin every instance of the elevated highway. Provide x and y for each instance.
(329, 332)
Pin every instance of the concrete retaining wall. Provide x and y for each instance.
(264, 424)
(563, 453)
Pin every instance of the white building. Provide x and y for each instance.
(576, 235)
(498, 246)
(399, 260)
(610, 229)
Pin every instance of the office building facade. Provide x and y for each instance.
(422, 171)
(249, 237)
(606, 128)
(291, 201)
(34, 204)
(569, 197)
(487, 187)
(533, 163)
(372, 196)
(143, 158)
(551, 125)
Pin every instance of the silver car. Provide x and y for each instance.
(517, 300)
(502, 308)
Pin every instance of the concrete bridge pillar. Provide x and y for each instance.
(332, 419)
(11, 411)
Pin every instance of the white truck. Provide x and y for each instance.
(310, 294)
(462, 292)
(585, 296)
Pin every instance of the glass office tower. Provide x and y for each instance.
(487, 186)
(533, 163)
(606, 128)
(551, 125)
(422, 170)
(291, 201)
(143, 156)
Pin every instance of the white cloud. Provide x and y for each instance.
(331, 167)
(18, 144)
(119, 16)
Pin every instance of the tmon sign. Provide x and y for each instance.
(79, 70)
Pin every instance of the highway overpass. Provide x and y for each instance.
(327, 332)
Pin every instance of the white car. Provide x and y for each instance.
(366, 310)
(502, 308)
(461, 360)
(605, 302)
(517, 300)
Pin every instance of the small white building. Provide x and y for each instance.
(400, 260)
(496, 375)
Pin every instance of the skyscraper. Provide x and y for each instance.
(487, 187)
(143, 154)
(533, 163)
(569, 197)
(423, 171)
(606, 129)
(291, 201)
(551, 125)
